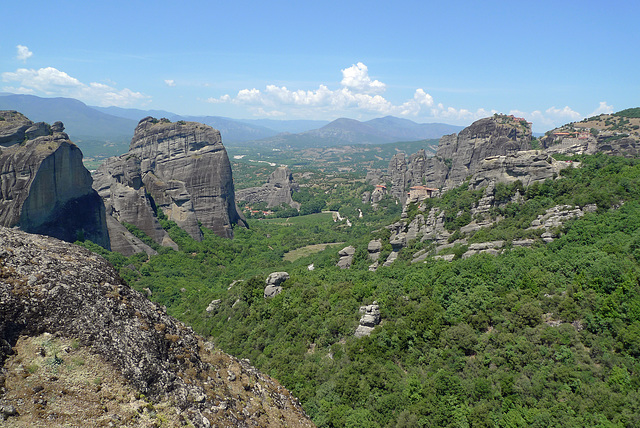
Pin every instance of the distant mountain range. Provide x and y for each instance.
(342, 131)
(107, 131)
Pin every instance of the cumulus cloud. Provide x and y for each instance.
(170, 82)
(358, 91)
(357, 79)
(53, 82)
(554, 117)
(603, 108)
(23, 53)
(459, 115)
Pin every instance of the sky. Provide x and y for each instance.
(551, 62)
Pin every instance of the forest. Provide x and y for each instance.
(543, 336)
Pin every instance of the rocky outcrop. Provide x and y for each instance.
(369, 320)
(527, 166)
(44, 186)
(15, 128)
(180, 168)
(274, 281)
(346, 257)
(275, 192)
(554, 218)
(461, 156)
(49, 286)
(498, 135)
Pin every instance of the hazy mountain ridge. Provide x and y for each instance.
(342, 131)
(106, 131)
(96, 133)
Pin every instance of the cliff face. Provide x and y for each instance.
(70, 294)
(275, 192)
(44, 187)
(501, 139)
(181, 168)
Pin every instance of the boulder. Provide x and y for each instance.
(346, 257)
(369, 319)
(273, 282)
(373, 248)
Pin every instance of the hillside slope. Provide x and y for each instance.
(71, 308)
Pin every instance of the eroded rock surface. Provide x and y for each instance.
(181, 168)
(275, 192)
(369, 319)
(49, 286)
(274, 281)
(44, 186)
(346, 257)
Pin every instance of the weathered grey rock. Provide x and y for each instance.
(45, 188)
(458, 156)
(214, 305)
(346, 257)
(369, 319)
(275, 192)
(181, 168)
(273, 282)
(277, 278)
(77, 294)
(493, 136)
(523, 243)
(527, 166)
(479, 246)
(13, 126)
(373, 248)
(272, 291)
(39, 129)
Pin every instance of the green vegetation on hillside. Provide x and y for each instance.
(630, 112)
(534, 337)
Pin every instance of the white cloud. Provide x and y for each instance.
(53, 82)
(460, 115)
(170, 82)
(551, 118)
(603, 108)
(563, 113)
(23, 53)
(357, 92)
(357, 79)
(222, 99)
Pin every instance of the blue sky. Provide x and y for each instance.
(448, 61)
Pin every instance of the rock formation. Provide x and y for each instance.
(346, 257)
(275, 192)
(70, 294)
(44, 186)
(274, 281)
(181, 168)
(369, 319)
(489, 146)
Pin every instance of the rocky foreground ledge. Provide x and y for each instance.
(53, 292)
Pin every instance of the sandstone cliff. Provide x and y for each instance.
(63, 308)
(181, 168)
(275, 192)
(44, 186)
